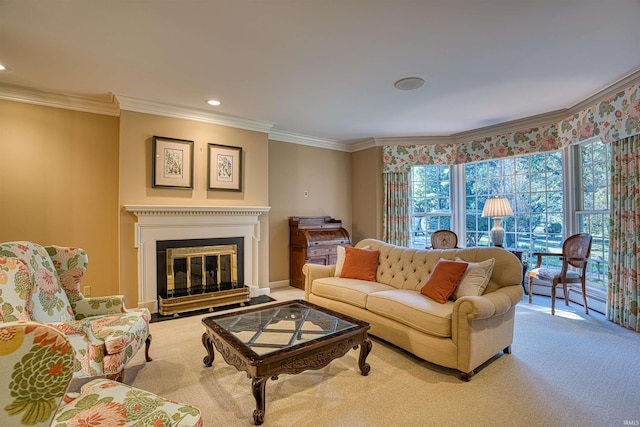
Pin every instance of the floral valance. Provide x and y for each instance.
(614, 118)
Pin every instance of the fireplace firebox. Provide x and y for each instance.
(196, 274)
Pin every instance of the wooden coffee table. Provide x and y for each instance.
(283, 338)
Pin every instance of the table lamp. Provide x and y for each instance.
(497, 207)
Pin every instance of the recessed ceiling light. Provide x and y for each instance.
(409, 83)
(213, 102)
(2, 67)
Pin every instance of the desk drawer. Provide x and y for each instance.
(321, 251)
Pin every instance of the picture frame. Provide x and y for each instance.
(224, 168)
(172, 163)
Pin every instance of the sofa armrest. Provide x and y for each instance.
(488, 305)
(315, 271)
(98, 306)
(482, 326)
(468, 309)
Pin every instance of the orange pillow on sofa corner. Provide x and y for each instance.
(443, 280)
(360, 264)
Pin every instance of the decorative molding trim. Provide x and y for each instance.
(297, 138)
(117, 103)
(157, 210)
(58, 100)
(629, 80)
(178, 112)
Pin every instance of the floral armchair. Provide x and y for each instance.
(43, 284)
(37, 364)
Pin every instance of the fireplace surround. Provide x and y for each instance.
(164, 223)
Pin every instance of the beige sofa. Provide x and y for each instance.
(461, 334)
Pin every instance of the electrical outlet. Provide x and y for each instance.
(306, 193)
(87, 291)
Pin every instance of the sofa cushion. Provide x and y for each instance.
(360, 264)
(475, 279)
(351, 291)
(414, 310)
(443, 280)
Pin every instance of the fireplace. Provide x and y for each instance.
(169, 223)
(195, 274)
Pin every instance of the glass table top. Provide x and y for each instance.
(280, 327)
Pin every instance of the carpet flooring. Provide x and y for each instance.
(565, 370)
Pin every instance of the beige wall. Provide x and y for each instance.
(66, 176)
(367, 194)
(136, 132)
(293, 168)
(59, 184)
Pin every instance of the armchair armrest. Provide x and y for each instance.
(539, 256)
(97, 306)
(77, 327)
(315, 271)
(568, 258)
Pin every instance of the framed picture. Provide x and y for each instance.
(224, 168)
(172, 163)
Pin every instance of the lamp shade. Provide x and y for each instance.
(497, 207)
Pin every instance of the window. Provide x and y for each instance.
(593, 207)
(533, 185)
(431, 202)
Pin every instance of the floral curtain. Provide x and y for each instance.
(612, 119)
(397, 215)
(624, 247)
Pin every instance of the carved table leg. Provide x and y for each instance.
(208, 345)
(365, 348)
(258, 390)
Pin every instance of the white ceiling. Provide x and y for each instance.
(326, 68)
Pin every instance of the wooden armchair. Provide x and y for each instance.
(575, 253)
(444, 239)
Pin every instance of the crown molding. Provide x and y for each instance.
(178, 112)
(553, 117)
(297, 138)
(59, 100)
(116, 103)
(621, 84)
(415, 140)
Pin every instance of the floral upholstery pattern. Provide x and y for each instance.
(37, 362)
(15, 288)
(43, 284)
(108, 403)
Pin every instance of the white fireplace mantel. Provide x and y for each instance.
(156, 223)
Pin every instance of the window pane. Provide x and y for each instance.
(534, 186)
(594, 167)
(431, 202)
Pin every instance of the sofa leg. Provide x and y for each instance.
(118, 376)
(507, 350)
(147, 343)
(465, 376)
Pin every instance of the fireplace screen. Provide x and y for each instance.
(201, 269)
(195, 276)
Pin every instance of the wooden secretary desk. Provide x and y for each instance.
(313, 239)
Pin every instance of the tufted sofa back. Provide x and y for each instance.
(405, 268)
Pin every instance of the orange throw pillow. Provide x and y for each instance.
(360, 264)
(443, 280)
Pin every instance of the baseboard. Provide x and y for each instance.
(279, 284)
